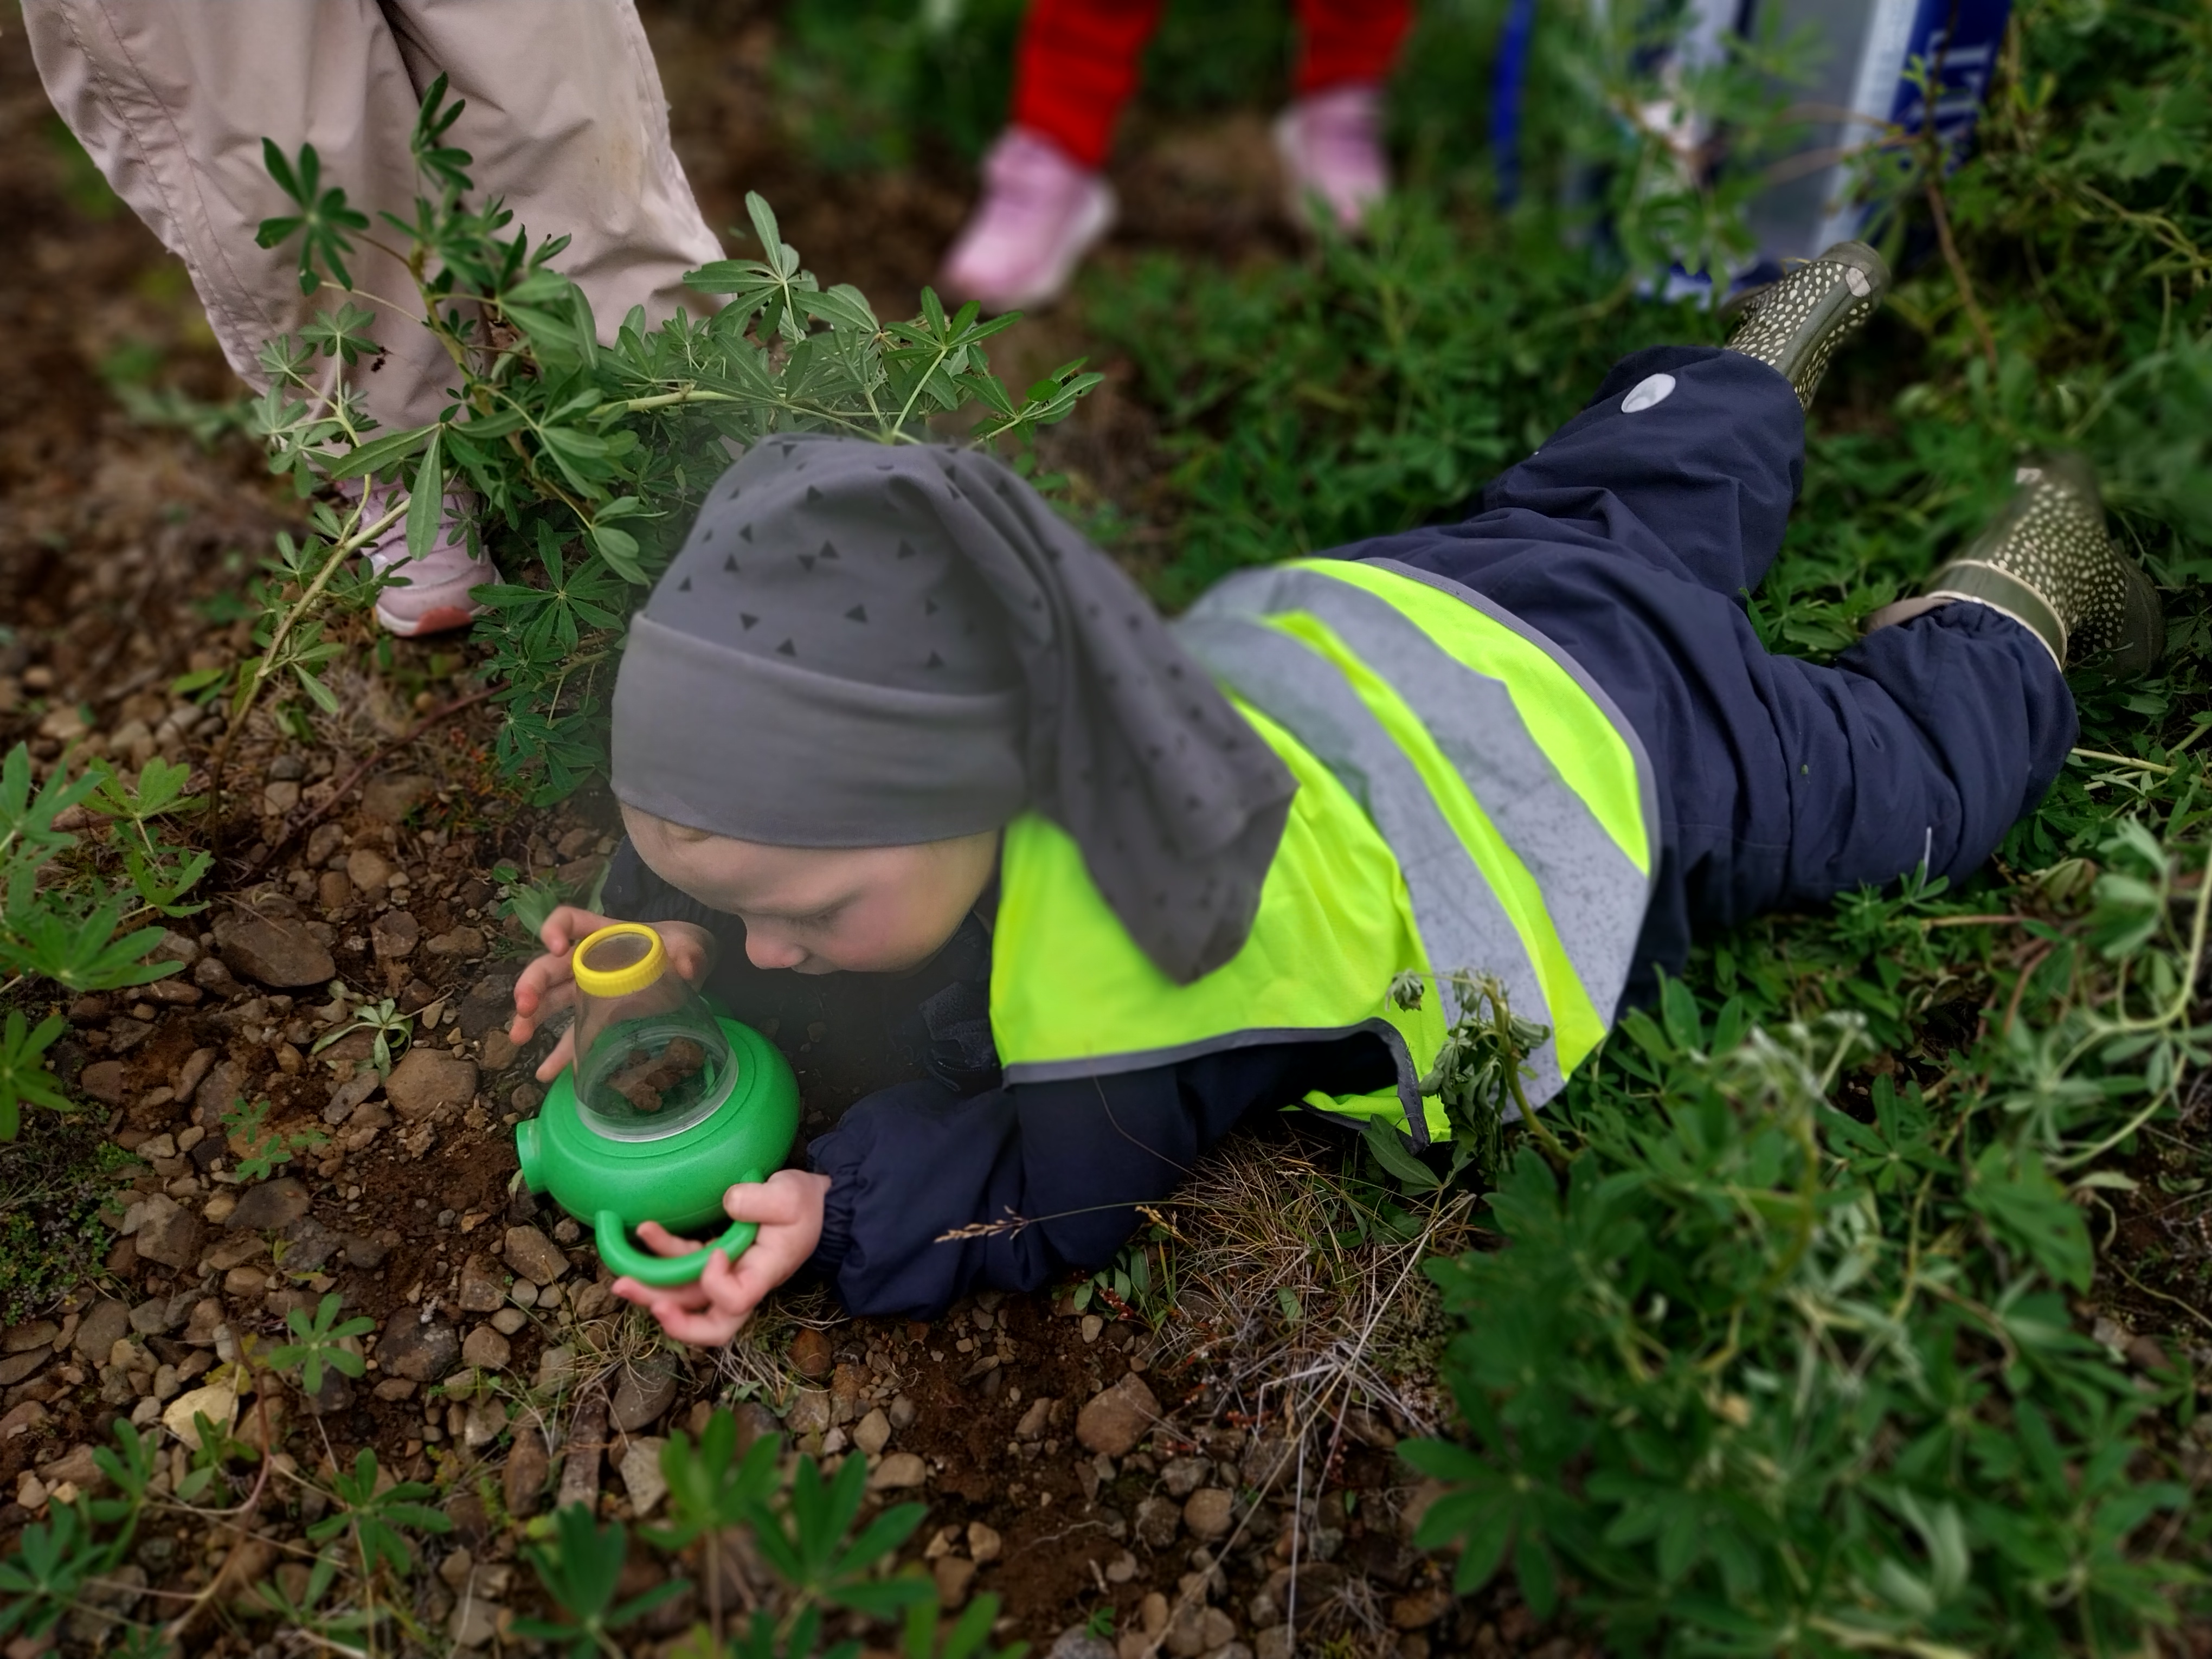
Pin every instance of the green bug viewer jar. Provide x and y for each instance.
(666, 1106)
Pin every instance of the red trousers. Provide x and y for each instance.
(1078, 63)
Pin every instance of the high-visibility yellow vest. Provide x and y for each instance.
(1467, 799)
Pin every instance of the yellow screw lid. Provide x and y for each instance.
(620, 978)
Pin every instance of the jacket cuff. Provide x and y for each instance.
(837, 1204)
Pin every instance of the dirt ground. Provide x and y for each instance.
(1207, 1501)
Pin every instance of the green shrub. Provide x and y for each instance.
(1765, 1374)
(69, 899)
(1783, 1353)
(862, 83)
(591, 460)
(1305, 406)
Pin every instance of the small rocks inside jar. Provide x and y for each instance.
(648, 1081)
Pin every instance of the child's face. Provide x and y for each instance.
(825, 910)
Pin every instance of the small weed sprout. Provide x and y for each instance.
(1476, 1077)
(375, 1517)
(1131, 1285)
(390, 1031)
(261, 1150)
(216, 1450)
(338, 1628)
(579, 1569)
(711, 1490)
(320, 1343)
(803, 1528)
(78, 1545)
(530, 903)
(53, 1560)
(161, 873)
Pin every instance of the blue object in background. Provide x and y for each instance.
(1864, 85)
(1860, 84)
(1507, 80)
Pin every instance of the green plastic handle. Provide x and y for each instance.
(666, 1272)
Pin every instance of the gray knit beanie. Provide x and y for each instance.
(861, 645)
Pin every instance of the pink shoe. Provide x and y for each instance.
(1041, 213)
(1332, 147)
(434, 598)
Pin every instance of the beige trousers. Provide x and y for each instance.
(566, 120)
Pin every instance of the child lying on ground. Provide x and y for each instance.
(1109, 884)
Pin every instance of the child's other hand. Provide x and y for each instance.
(709, 1312)
(546, 986)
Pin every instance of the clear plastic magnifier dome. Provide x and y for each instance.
(651, 1060)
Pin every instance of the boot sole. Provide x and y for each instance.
(440, 619)
(2143, 633)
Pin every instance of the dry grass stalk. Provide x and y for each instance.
(1307, 1321)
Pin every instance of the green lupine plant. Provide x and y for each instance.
(579, 1570)
(319, 1343)
(379, 1518)
(65, 922)
(263, 1150)
(590, 459)
(811, 1541)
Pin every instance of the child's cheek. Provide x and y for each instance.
(874, 943)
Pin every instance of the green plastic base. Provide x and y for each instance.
(614, 1185)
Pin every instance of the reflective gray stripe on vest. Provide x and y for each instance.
(1462, 922)
(1596, 894)
(1646, 784)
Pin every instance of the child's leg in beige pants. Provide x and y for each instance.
(565, 119)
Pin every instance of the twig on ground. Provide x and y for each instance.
(2114, 1262)
(244, 699)
(219, 1581)
(2128, 761)
(2019, 985)
(1940, 213)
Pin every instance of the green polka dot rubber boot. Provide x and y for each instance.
(1794, 325)
(2047, 561)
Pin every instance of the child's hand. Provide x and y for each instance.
(546, 986)
(708, 1313)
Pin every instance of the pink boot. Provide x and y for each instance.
(1041, 213)
(1332, 147)
(435, 597)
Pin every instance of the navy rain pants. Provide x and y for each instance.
(1633, 540)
